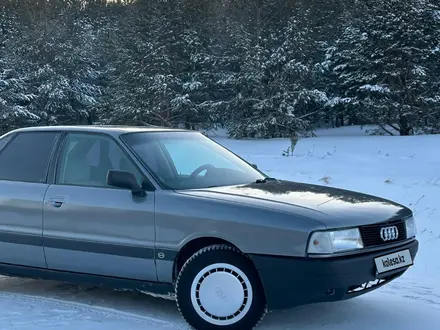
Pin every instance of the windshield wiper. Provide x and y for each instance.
(265, 180)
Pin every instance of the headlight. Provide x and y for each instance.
(411, 229)
(329, 242)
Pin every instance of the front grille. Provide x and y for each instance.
(371, 233)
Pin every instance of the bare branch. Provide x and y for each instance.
(385, 129)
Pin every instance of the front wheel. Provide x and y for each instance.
(219, 288)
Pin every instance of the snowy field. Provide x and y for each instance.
(405, 169)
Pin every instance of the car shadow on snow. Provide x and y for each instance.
(376, 310)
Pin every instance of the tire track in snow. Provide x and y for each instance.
(68, 307)
(135, 303)
(413, 289)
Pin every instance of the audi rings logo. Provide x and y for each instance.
(389, 233)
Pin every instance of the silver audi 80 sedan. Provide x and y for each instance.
(172, 212)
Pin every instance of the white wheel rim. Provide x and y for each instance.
(221, 294)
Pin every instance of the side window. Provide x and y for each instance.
(4, 141)
(86, 159)
(27, 157)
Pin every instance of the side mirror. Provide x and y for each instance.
(254, 166)
(126, 180)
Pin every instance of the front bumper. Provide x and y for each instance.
(290, 282)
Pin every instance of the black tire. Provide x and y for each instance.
(237, 272)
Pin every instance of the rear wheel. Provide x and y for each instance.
(219, 288)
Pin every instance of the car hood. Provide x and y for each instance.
(333, 206)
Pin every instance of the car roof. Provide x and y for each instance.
(106, 129)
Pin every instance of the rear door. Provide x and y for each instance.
(24, 164)
(90, 227)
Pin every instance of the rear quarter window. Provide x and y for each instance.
(26, 158)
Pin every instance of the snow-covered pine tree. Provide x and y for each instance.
(385, 65)
(143, 75)
(14, 93)
(277, 82)
(66, 73)
(193, 102)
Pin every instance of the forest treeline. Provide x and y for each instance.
(260, 68)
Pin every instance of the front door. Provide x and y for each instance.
(90, 227)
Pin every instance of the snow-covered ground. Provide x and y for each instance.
(405, 169)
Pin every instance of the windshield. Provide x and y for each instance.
(189, 160)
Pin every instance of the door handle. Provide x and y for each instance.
(57, 201)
